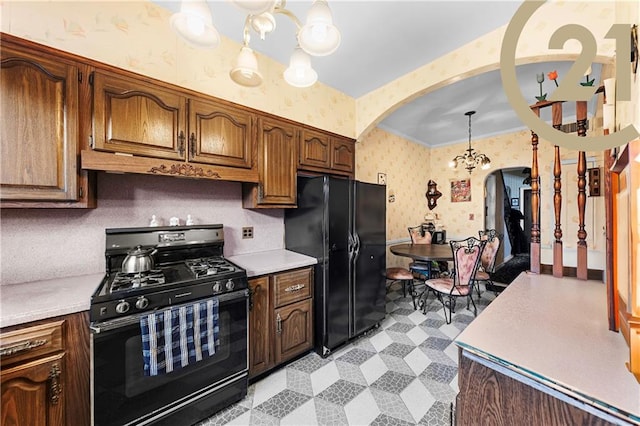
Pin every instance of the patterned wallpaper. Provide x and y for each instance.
(409, 167)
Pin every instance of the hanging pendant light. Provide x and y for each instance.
(195, 25)
(470, 159)
(300, 73)
(317, 37)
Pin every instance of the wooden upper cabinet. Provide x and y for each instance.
(132, 116)
(220, 134)
(277, 143)
(343, 154)
(39, 131)
(326, 153)
(315, 149)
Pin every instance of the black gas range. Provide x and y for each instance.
(189, 273)
(189, 266)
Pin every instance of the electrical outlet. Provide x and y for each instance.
(247, 232)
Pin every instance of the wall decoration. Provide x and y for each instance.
(432, 195)
(515, 202)
(460, 190)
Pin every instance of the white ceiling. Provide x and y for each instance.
(383, 40)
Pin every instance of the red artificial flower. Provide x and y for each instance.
(553, 75)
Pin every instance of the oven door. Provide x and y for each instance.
(122, 394)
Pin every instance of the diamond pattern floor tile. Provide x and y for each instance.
(403, 373)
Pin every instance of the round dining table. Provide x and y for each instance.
(423, 252)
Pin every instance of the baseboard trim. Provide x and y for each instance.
(572, 271)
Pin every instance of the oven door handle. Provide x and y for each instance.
(100, 327)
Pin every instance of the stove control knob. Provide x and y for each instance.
(122, 307)
(230, 284)
(142, 302)
(217, 287)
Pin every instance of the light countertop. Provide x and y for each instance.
(556, 331)
(26, 302)
(270, 261)
(31, 301)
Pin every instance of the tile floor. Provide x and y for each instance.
(403, 373)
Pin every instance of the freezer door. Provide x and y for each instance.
(369, 262)
(336, 307)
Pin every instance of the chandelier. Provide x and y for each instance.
(470, 159)
(317, 37)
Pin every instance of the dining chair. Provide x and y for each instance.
(404, 276)
(488, 257)
(420, 235)
(466, 260)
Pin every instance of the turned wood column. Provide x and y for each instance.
(535, 203)
(581, 116)
(556, 113)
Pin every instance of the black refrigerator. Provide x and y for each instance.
(342, 223)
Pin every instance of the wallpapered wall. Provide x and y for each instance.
(409, 167)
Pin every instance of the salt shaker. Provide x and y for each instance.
(154, 221)
(189, 220)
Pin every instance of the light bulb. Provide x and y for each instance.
(196, 25)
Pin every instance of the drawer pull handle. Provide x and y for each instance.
(22, 347)
(294, 288)
(55, 387)
(278, 324)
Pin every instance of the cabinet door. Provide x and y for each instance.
(32, 393)
(315, 149)
(277, 147)
(219, 134)
(343, 154)
(39, 131)
(135, 117)
(259, 328)
(294, 330)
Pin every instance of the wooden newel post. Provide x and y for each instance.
(581, 116)
(556, 112)
(535, 203)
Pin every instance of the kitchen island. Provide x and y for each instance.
(542, 353)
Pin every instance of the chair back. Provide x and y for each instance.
(488, 258)
(419, 235)
(466, 258)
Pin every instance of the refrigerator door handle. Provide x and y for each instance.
(351, 247)
(356, 249)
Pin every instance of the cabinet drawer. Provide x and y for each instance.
(289, 287)
(31, 342)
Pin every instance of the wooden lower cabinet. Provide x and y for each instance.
(294, 330)
(490, 397)
(280, 318)
(32, 392)
(45, 372)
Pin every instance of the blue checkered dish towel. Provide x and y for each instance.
(179, 336)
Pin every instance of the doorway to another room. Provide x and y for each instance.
(508, 210)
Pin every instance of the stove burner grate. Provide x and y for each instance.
(126, 281)
(207, 266)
